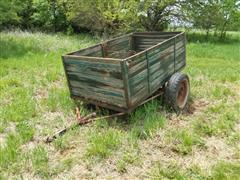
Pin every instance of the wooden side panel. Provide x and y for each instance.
(93, 51)
(143, 41)
(95, 80)
(149, 70)
(161, 64)
(180, 57)
(138, 78)
(117, 48)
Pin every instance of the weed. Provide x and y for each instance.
(101, 144)
(40, 161)
(184, 140)
(146, 121)
(10, 152)
(61, 143)
(218, 122)
(128, 158)
(21, 107)
(59, 99)
(195, 172)
(64, 165)
(226, 170)
(25, 131)
(172, 171)
(220, 91)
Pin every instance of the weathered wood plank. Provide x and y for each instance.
(98, 96)
(160, 56)
(157, 83)
(137, 68)
(87, 51)
(98, 80)
(120, 46)
(117, 40)
(142, 76)
(136, 88)
(160, 47)
(135, 59)
(107, 66)
(166, 67)
(89, 70)
(93, 59)
(154, 36)
(156, 33)
(161, 63)
(126, 82)
(143, 93)
(100, 88)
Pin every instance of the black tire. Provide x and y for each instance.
(177, 91)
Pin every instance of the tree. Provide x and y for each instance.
(101, 16)
(156, 15)
(229, 9)
(217, 15)
(50, 15)
(8, 12)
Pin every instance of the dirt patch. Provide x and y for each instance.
(197, 106)
(41, 94)
(2, 139)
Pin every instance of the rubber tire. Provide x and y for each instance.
(171, 91)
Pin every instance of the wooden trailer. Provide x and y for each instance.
(122, 73)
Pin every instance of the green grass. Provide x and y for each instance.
(101, 144)
(39, 159)
(226, 170)
(183, 141)
(203, 143)
(146, 121)
(170, 172)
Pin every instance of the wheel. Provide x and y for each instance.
(177, 91)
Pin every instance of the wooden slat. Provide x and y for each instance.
(138, 78)
(126, 82)
(156, 33)
(160, 47)
(160, 56)
(162, 61)
(101, 88)
(95, 79)
(167, 67)
(89, 70)
(154, 36)
(110, 66)
(143, 93)
(138, 68)
(98, 96)
(120, 46)
(118, 40)
(87, 51)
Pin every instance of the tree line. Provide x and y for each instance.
(106, 17)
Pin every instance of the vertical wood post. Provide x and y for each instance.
(148, 73)
(174, 54)
(126, 82)
(69, 87)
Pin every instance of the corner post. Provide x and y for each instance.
(124, 69)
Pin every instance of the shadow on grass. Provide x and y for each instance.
(141, 123)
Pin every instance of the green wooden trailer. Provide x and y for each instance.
(122, 73)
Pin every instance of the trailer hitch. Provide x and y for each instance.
(80, 121)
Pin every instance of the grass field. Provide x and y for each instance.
(202, 143)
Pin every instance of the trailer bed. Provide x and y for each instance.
(121, 73)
